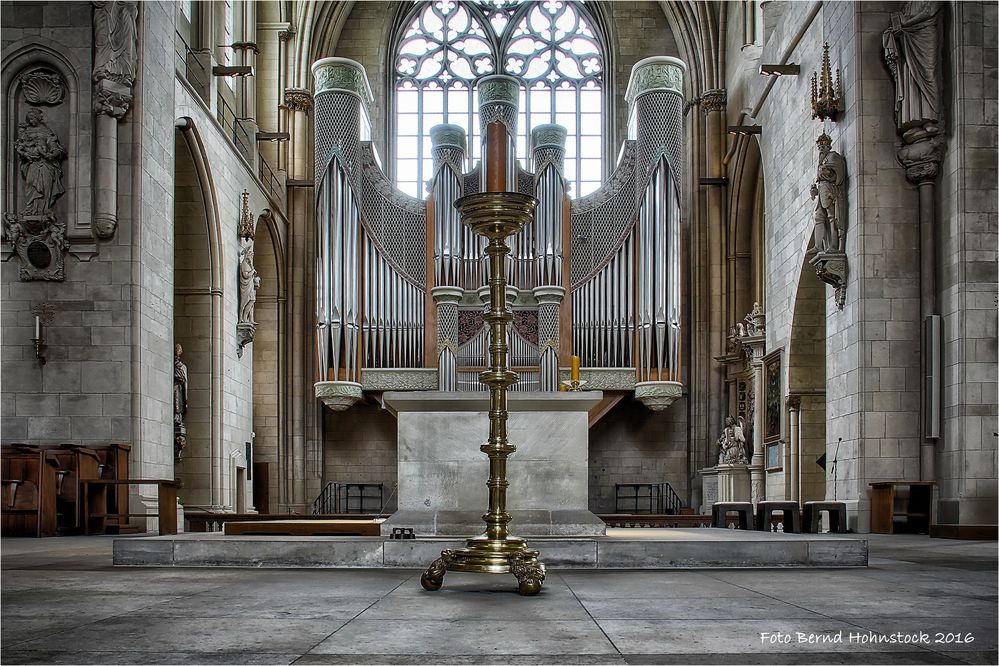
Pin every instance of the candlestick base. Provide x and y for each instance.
(573, 385)
(484, 555)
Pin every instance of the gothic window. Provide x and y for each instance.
(552, 46)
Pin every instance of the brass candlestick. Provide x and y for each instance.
(495, 215)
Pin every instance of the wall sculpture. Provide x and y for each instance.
(36, 232)
(249, 281)
(829, 234)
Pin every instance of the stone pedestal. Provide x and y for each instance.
(442, 472)
(733, 483)
(709, 489)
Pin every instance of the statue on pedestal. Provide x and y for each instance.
(912, 51)
(829, 192)
(732, 443)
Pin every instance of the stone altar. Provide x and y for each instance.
(442, 472)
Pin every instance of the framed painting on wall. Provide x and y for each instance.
(772, 401)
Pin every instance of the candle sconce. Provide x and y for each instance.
(43, 317)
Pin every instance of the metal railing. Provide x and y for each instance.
(349, 498)
(188, 64)
(653, 498)
(270, 180)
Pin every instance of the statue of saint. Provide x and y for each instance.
(912, 51)
(41, 156)
(179, 402)
(249, 282)
(179, 386)
(829, 191)
(114, 40)
(732, 443)
(753, 323)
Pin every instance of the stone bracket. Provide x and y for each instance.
(339, 396)
(832, 268)
(657, 396)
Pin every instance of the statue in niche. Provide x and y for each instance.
(41, 155)
(732, 443)
(115, 41)
(912, 51)
(829, 190)
(179, 402)
(35, 234)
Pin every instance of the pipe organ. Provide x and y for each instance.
(401, 283)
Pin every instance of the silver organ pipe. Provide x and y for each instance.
(449, 240)
(548, 143)
(657, 108)
(393, 308)
(339, 116)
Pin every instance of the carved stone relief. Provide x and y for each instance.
(36, 232)
(179, 403)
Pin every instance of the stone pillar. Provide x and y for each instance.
(549, 309)
(446, 299)
(754, 348)
(115, 44)
(794, 448)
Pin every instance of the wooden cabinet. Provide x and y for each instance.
(901, 507)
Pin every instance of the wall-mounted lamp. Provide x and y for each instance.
(39, 340)
(745, 129)
(232, 70)
(780, 70)
(273, 136)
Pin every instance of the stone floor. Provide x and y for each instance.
(63, 602)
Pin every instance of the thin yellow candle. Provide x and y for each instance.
(575, 369)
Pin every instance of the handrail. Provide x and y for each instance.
(326, 501)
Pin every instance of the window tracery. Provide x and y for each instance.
(551, 45)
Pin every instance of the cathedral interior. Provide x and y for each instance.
(754, 262)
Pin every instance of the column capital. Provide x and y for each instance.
(549, 294)
(713, 100)
(446, 294)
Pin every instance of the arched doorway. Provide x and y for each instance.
(806, 382)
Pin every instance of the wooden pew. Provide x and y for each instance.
(114, 466)
(29, 492)
(76, 464)
(95, 503)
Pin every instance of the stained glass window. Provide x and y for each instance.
(550, 45)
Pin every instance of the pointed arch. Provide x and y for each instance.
(194, 143)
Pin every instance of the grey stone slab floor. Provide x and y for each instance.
(63, 602)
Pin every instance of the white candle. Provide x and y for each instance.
(38, 328)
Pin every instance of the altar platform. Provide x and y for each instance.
(621, 548)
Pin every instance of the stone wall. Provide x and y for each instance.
(360, 447)
(966, 454)
(632, 444)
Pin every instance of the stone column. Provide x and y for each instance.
(115, 45)
(713, 104)
(794, 446)
(754, 347)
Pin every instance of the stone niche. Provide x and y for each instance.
(442, 472)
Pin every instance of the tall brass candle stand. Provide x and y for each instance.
(495, 215)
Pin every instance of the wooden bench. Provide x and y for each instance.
(790, 516)
(720, 511)
(95, 495)
(29, 493)
(214, 521)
